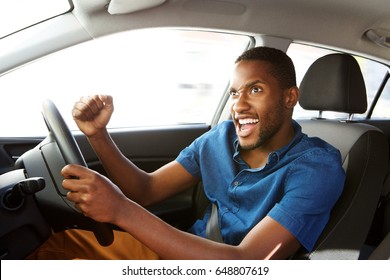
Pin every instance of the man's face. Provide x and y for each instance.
(257, 105)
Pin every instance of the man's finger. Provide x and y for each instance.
(73, 171)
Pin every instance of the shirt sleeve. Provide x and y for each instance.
(189, 159)
(197, 155)
(312, 187)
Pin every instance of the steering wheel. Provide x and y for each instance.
(72, 155)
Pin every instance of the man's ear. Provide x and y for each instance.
(291, 97)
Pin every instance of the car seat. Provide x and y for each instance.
(382, 251)
(335, 83)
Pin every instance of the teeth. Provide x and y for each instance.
(246, 121)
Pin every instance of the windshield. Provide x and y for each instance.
(19, 14)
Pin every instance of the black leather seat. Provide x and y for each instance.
(335, 83)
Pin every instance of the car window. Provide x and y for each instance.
(373, 72)
(156, 77)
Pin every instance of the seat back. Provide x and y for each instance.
(335, 83)
(382, 251)
(385, 201)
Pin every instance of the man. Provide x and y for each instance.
(273, 186)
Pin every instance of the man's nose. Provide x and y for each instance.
(240, 104)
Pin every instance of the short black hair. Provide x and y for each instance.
(282, 66)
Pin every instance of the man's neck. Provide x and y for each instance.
(258, 157)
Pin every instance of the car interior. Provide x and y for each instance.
(32, 201)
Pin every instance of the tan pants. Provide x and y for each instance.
(81, 244)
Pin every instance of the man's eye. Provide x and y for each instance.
(256, 90)
(233, 93)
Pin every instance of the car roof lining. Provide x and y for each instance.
(307, 26)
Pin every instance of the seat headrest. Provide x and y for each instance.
(334, 83)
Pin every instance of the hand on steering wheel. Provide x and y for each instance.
(72, 154)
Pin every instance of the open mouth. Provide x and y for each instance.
(246, 126)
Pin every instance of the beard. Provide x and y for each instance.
(264, 135)
(270, 124)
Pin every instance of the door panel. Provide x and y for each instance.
(12, 149)
(148, 148)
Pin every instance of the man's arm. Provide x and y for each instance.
(92, 115)
(142, 187)
(267, 240)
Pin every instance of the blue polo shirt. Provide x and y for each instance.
(297, 187)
